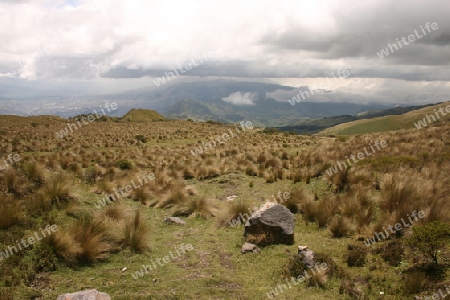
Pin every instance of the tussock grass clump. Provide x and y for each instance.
(114, 212)
(177, 197)
(398, 193)
(94, 237)
(35, 173)
(10, 212)
(6, 293)
(141, 194)
(296, 177)
(251, 171)
(325, 210)
(103, 186)
(136, 233)
(296, 197)
(270, 177)
(341, 227)
(56, 189)
(12, 182)
(365, 216)
(64, 246)
(318, 278)
(341, 180)
(350, 206)
(188, 174)
(357, 206)
(438, 211)
(202, 173)
(237, 210)
(309, 210)
(38, 205)
(197, 206)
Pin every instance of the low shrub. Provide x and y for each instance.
(430, 238)
(357, 256)
(392, 253)
(90, 174)
(124, 164)
(141, 138)
(415, 282)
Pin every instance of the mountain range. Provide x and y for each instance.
(217, 100)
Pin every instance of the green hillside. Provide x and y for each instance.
(389, 123)
(142, 116)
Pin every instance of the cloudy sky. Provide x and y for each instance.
(114, 45)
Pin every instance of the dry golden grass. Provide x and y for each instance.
(136, 233)
(196, 206)
(35, 173)
(141, 194)
(64, 246)
(374, 193)
(318, 278)
(234, 211)
(56, 189)
(177, 197)
(12, 182)
(10, 212)
(341, 227)
(95, 239)
(297, 196)
(115, 212)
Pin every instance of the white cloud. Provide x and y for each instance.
(240, 98)
(285, 39)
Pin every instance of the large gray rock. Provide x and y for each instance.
(271, 224)
(85, 295)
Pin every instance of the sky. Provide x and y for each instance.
(114, 45)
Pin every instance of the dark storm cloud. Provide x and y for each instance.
(359, 32)
(306, 70)
(363, 31)
(442, 39)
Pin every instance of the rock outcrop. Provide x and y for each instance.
(85, 295)
(307, 256)
(248, 247)
(271, 224)
(174, 220)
